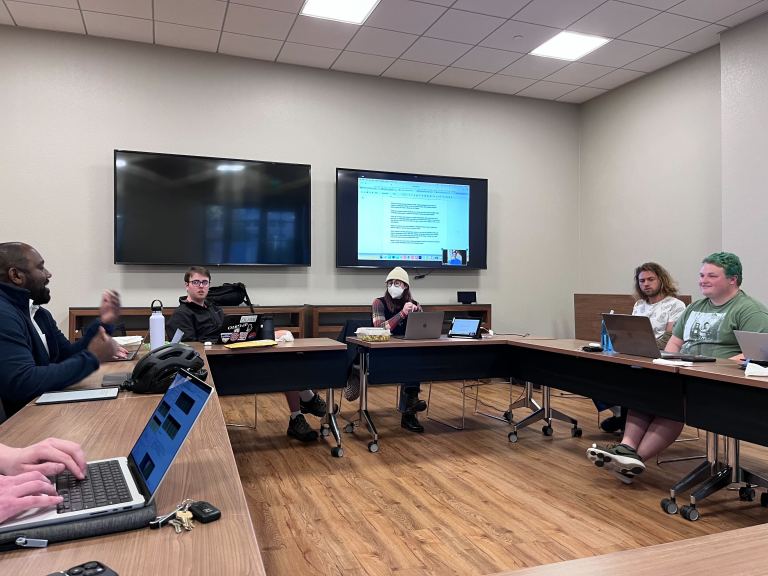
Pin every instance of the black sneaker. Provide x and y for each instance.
(316, 406)
(411, 423)
(352, 389)
(612, 424)
(299, 428)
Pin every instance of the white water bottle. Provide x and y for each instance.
(156, 326)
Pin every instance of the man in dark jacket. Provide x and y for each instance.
(36, 356)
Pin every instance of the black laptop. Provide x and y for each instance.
(634, 335)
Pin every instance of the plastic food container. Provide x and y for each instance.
(373, 334)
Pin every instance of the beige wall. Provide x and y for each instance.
(650, 176)
(744, 55)
(68, 101)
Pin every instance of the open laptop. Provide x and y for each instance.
(423, 326)
(634, 335)
(239, 328)
(754, 345)
(130, 482)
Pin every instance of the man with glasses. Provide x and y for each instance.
(36, 356)
(201, 320)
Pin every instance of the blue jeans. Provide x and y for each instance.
(407, 389)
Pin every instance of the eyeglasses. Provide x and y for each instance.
(203, 283)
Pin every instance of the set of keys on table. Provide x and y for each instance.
(184, 515)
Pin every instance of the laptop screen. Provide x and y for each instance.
(167, 429)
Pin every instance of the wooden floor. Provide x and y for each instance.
(455, 502)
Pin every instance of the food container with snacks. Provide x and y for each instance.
(373, 334)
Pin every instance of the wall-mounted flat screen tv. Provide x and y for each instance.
(184, 210)
(386, 219)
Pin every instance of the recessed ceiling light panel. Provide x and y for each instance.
(352, 11)
(570, 46)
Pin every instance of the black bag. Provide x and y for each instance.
(229, 295)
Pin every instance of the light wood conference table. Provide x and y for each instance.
(205, 469)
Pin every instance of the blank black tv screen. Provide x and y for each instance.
(387, 219)
(185, 210)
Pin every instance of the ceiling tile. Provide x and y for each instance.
(556, 12)
(658, 4)
(362, 63)
(617, 53)
(487, 59)
(710, 10)
(615, 78)
(404, 16)
(292, 6)
(258, 22)
(746, 14)
(314, 56)
(581, 95)
(46, 17)
(416, 71)
(60, 3)
(501, 8)
(519, 37)
(656, 60)
(579, 73)
(546, 90)
(434, 51)
(462, 26)
(700, 39)
(5, 16)
(121, 27)
(612, 19)
(534, 67)
(381, 42)
(663, 29)
(197, 13)
(249, 46)
(135, 8)
(460, 78)
(322, 32)
(186, 37)
(504, 84)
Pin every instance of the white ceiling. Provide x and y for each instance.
(472, 44)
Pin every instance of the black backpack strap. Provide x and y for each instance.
(247, 299)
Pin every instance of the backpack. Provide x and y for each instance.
(229, 295)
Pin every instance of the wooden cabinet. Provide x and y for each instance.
(136, 320)
(327, 321)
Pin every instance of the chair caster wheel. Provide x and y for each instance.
(507, 415)
(547, 430)
(764, 499)
(325, 431)
(576, 432)
(337, 451)
(689, 513)
(747, 494)
(373, 447)
(512, 437)
(349, 428)
(669, 505)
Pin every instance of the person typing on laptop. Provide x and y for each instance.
(391, 311)
(24, 473)
(705, 327)
(656, 294)
(37, 357)
(200, 320)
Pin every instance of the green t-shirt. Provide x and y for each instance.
(708, 329)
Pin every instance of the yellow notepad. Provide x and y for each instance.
(251, 344)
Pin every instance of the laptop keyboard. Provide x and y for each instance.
(103, 485)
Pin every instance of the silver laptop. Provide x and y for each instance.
(136, 478)
(754, 345)
(634, 335)
(424, 325)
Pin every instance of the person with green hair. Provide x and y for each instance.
(706, 327)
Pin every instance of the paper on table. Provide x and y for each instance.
(753, 369)
(128, 340)
(664, 362)
(251, 344)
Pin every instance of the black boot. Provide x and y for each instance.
(413, 404)
(411, 423)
